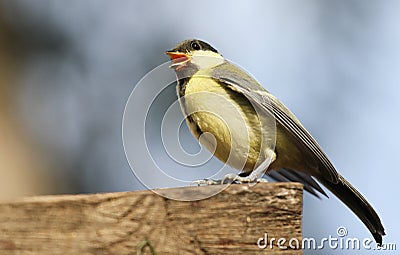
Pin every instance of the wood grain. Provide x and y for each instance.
(143, 222)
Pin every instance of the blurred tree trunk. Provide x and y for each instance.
(22, 167)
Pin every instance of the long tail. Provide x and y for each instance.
(359, 205)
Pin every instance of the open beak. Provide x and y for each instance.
(178, 58)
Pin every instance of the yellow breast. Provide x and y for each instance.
(229, 117)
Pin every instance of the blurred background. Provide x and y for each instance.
(67, 69)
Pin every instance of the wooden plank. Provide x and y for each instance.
(143, 222)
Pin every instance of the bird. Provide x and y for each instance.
(252, 131)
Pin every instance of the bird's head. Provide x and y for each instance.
(194, 54)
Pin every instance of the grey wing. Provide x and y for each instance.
(239, 81)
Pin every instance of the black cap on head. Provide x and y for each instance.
(192, 45)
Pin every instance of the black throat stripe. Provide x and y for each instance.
(181, 87)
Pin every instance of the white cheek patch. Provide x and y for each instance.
(206, 59)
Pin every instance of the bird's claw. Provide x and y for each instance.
(206, 182)
(228, 179)
(233, 178)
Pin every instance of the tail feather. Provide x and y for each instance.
(358, 204)
(310, 185)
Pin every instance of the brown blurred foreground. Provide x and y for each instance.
(143, 222)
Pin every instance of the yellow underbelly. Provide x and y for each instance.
(233, 123)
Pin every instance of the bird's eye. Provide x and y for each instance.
(195, 46)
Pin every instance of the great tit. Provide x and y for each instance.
(252, 130)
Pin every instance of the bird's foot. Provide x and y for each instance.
(233, 178)
(206, 182)
(228, 179)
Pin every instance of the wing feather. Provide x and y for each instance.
(238, 80)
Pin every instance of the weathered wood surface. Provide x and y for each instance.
(138, 222)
